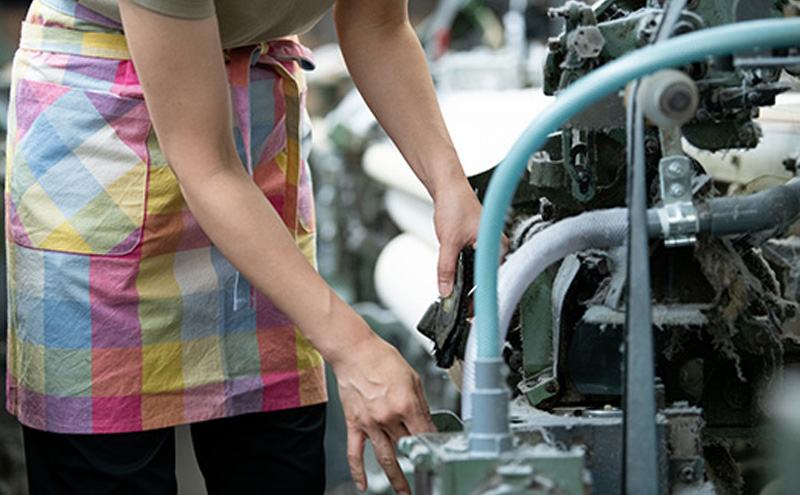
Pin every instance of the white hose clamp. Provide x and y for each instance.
(680, 224)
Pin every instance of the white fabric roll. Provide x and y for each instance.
(405, 279)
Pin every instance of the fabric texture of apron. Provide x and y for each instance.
(123, 316)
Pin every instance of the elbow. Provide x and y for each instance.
(358, 21)
(198, 159)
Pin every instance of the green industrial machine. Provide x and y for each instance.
(720, 273)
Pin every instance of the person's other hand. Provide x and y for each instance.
(383, 400)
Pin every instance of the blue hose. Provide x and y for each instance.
(587, 90)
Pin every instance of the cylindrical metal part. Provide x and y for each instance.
(668, 98)
(490, 434)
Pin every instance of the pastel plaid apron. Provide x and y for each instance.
(123, 315)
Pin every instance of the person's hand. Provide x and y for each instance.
(456, 216)
(383, 400)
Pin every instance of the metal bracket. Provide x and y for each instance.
(678, 216)
(538, 389)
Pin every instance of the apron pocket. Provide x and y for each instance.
(78, 172)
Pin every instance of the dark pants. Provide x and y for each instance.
(272, 453)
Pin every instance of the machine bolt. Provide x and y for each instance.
(676, 168)
(550, 387)
(688, 474)
(676, 190)
(677, 99)
(651, 144)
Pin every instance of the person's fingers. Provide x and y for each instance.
(414, 425)
(383, 400)
(355, 457)
(412, 418)
(446, 268)
(384, 453)
(391, 419)
(426, 410)
(397, 432)
(418, 418)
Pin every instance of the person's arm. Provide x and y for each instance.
(389, 68)
(181, 69)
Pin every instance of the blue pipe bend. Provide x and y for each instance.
(587, 90)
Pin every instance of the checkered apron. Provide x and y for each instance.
(123, 316)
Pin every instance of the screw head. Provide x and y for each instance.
(651, 145)
(677, 99)
(676, 167)
(677, 190)
(687, 474)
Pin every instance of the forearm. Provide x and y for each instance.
(193, 122)
(389, 68)
(240, 221)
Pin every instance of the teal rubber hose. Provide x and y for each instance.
(587, 90)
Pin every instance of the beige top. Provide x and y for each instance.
(241, 22)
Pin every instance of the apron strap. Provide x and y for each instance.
(283, 56)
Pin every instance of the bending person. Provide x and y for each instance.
(161, 244)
